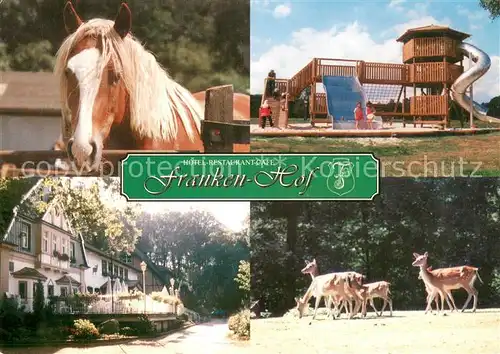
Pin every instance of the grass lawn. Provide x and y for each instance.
(476, 155)
(407, 332)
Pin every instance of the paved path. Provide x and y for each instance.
(208, 338)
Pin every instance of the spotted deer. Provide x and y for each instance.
(370, 291)
(311, 268)
(428, 290)
(446, 279)
(334, 285)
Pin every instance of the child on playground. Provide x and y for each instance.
(370, 114)
(264, 114)
(271, 83)
(358, 114)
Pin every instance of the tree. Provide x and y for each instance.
(198, 251)
(494, 107)
(493, 6)
(39, 302)
(200, 43)
(243, 279)
(103, 226)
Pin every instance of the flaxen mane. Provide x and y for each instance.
(155, 98)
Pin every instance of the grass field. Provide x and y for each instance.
(457, 156)
(407, 332)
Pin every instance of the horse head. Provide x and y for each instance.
(92, 88)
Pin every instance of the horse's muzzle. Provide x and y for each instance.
(91, 158)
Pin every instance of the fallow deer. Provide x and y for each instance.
(428, 290)
(448, 279)
(311, 268)
(373, 290)
(331, 284)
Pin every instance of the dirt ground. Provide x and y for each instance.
(407, 332)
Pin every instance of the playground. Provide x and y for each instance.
(416, 98)
(407, 332)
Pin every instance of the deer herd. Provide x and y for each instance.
(348, 291)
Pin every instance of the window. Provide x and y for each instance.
(121, 272)
(104, 267)
(110, 268)
(64, 291)
(45, 242)
(50, 290)
(11, 266)
(54, 242)
(73, 250)
(126, 258)
(116, 270)
(23, 290)
(126, 274)
(64, 246)
(25, 234)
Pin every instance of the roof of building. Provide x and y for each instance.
(29, 93)
(67, 280)
(29, 273)
(108, 256)
(24, 194)
(162, 274)
(412, 32)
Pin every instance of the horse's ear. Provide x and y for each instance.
(71, 19)
(123, 21)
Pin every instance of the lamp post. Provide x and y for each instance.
(143, 268)
(112, 293)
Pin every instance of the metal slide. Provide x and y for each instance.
(481, 65)
(342, 94)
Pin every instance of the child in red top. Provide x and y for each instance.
(370, 114)
(265, 113)
(358, 114)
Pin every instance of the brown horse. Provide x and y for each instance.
(115, 95)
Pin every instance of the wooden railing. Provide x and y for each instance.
(430, 47)
(381, 73)
(320, 106)
(367, 72)
(434, 72)
(429, 105)
(301, 80)
(281, 85)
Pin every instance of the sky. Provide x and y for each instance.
(286, 35)
(230, 214)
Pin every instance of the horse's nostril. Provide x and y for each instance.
(70, 153)
(94, 150)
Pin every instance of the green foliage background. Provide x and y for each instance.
(456, 220)
(200, 43)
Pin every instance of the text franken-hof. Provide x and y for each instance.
(287, 177)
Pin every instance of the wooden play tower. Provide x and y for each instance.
(432, 61)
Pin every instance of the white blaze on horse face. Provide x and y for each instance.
(84, 67)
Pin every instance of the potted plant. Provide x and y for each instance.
(56, 254)
(73, 260)
(64, 257)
